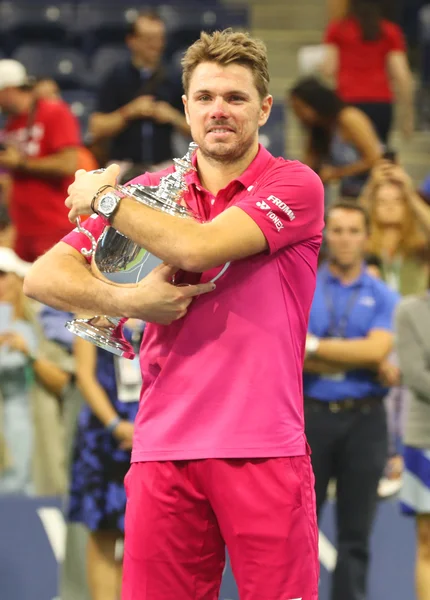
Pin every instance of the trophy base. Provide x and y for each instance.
(104, 334)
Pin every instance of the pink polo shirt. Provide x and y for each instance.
(226, 380)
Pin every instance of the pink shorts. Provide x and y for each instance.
(180, 516)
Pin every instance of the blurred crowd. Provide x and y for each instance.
(366, 379)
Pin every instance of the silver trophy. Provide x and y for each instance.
(115, 258)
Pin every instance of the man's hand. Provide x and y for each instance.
(156, 300)
(85, 186)
(10, 158)
(399, 175)
(123, 432)
(164, 113)
(14, 341)
(389, 374)
(139, 108)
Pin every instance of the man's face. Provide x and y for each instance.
(224, 110)
(346, 237)
(148, 41)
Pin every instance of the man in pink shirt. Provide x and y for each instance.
(219, 455)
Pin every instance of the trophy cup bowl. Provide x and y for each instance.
(117, 259)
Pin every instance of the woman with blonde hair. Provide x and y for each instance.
(400, 228)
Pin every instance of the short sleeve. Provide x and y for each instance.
(77, 240)
(64, 129)
(289, 207)
(396, 39)
(385, 311)
(96, 224)
(331, 34)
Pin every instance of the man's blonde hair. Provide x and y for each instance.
(225, 48)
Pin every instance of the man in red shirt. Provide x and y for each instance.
(41, 148)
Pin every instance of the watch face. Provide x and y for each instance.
(107, 203)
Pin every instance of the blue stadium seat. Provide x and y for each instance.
(102, 23)
(25, 21)
(105, 58)
(66, 65)
(185, 21)
(272, 135)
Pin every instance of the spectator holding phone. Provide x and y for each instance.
(342, 144)
(400, 230)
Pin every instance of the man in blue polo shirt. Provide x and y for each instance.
(350, 333)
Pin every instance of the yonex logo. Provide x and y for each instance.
(284, 207)
(263, 205)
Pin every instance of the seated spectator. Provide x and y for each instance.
(342, 144)
(18, 343)
(366, 56)
(400, 228)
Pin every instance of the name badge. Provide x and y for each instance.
(128, 379)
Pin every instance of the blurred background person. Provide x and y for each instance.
(395, 403)
(342, 144)
(102, 449)
(350, 334)
(400, 228)
(139, 104)
(18, 343)
(41, 140)
(47, 88)
(413, 347)
(7, 231)
(366, 56)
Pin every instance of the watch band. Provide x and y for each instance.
(97, 196)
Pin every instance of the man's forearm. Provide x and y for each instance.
(360, 353)
(178, 242)
(56, 165)
(66, 284)
(324, 367)
(106, 125)
(421, 210)
(361, 166)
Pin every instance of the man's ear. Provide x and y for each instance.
(185, 103)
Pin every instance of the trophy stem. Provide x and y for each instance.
(105, 332)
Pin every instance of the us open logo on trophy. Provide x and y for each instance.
(116, 258)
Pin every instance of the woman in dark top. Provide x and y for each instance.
(365, 55)
(101, 459)
(342, 144)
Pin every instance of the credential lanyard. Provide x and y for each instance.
(337, 328)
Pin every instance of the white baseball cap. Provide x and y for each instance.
(12, 74)
(11, 263)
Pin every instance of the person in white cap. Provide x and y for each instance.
(40, 152)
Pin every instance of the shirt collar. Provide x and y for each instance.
(330, 278)
(248, 177)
